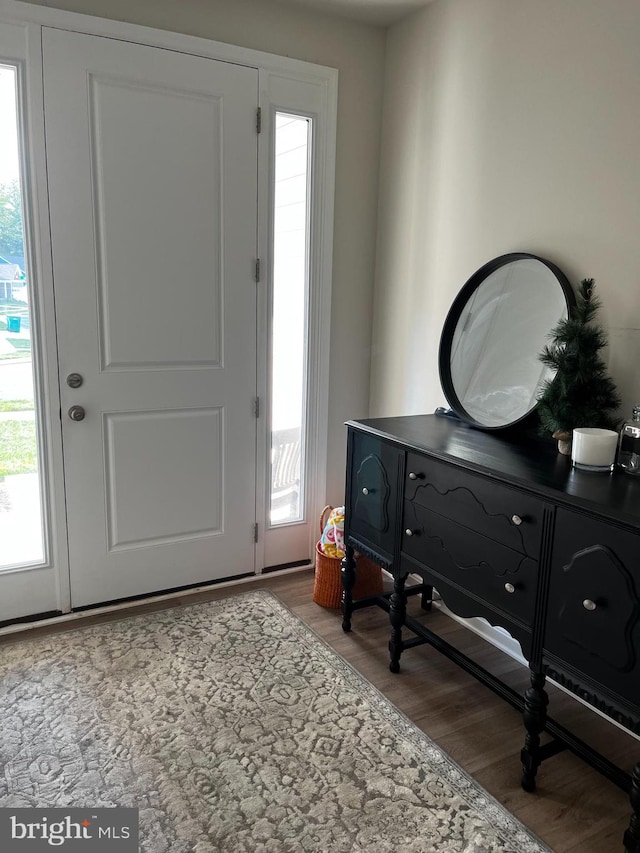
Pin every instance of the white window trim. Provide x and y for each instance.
(38, 584)
(285, 83)
(302, 96)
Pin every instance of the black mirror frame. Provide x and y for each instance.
(451, 322)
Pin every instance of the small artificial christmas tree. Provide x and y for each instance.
(581, 394)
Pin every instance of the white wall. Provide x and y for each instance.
(507, 126)
(357, 51)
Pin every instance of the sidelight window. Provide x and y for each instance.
(21, 528)
(289, 317)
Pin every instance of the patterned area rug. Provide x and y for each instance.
(232, 727)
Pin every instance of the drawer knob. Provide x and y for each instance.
(414, 476)
(366, 491)
(409, 532)
(516, 520)
(588, 604)
(510, 587)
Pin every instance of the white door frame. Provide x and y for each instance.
(44, 586)
(284, 83)
(302, 96)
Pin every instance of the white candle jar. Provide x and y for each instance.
(594, 449)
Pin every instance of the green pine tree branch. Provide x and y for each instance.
(580, 393)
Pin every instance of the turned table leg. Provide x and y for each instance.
(397, 616)
(535, 717)
(426, 598)
(632, 835)
(348, 577)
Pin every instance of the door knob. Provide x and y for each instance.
(76, 413)
(74, 380)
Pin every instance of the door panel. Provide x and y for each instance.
(140, 167)
(144, 474)
(152, 181)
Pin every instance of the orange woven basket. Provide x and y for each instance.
(327, 587)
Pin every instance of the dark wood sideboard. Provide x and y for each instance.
(505, 529)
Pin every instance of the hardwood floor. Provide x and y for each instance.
(575, 809)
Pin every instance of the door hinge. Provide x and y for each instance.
(259, 120)
(255, 532)
(257, 273)
(256, 406)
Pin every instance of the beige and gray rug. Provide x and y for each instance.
(234, 728)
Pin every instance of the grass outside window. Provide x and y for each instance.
(19, 447)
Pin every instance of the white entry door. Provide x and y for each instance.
(152, 162)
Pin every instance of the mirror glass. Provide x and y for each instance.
(493, 335)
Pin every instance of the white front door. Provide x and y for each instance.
(152, 162)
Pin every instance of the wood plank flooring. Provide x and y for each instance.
(575, 809)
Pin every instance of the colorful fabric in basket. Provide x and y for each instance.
(332, 537)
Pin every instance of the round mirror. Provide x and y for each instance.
(493, 335)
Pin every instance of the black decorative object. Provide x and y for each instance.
(491, 339)
(629, 444)
(581, 394)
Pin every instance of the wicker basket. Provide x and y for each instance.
(327, 587)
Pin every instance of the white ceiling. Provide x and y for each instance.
(379, 12)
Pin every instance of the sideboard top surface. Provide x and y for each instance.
(521, 459)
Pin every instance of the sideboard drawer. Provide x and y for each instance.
(593, 617)
(502, 578)
(373, 495)
(506, 515)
